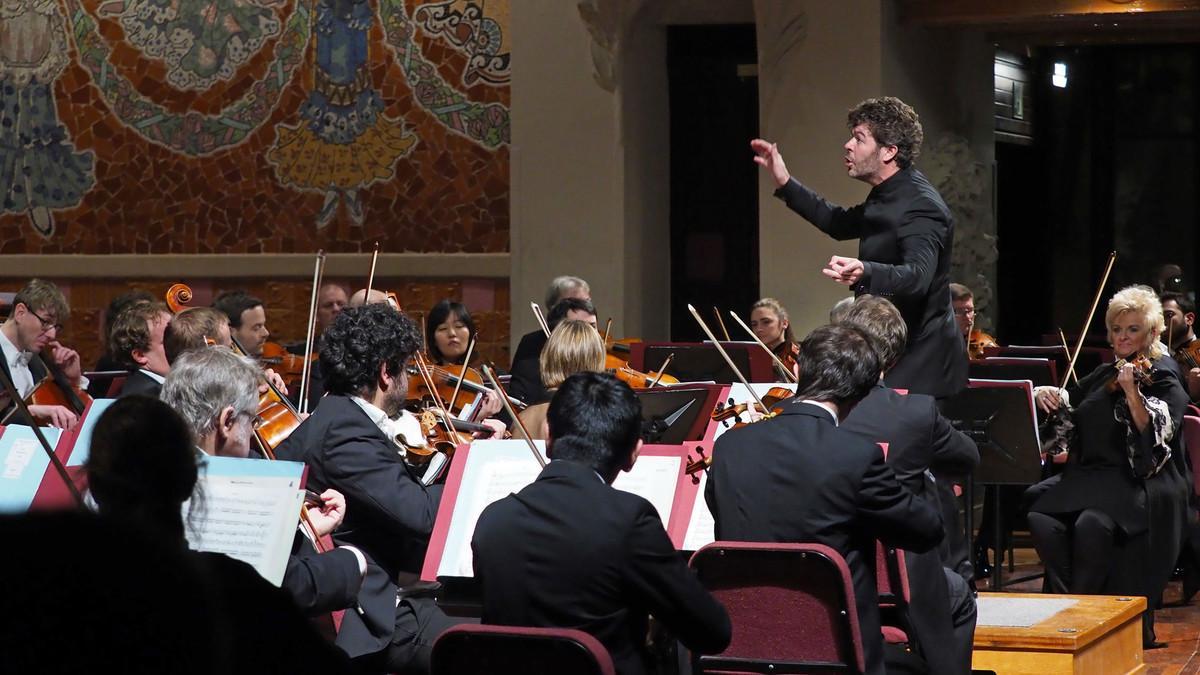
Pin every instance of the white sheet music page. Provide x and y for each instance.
(655, 479)
(701, 527)
(495, 469)
(248, 510)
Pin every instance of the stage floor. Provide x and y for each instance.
(1177, 626)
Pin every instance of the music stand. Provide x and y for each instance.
(1041, 372)
(999, 415)
(672, 415)
(701, 362)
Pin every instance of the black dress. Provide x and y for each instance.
(1129, 477)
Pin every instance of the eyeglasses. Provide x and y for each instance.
(965, 311)
(47, 324)
(256, 422)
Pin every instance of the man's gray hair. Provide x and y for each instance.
(562, 287)
(203, 382)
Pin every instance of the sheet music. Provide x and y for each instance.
(83, 439)
(495, 469)
(23, 463)
(248, 510)
(700, 530)
(740, 394)
(654, 478)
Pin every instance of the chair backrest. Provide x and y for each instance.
(791, 606)
(891, 576)
(1191, 445)
(471, 649)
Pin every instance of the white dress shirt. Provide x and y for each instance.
(18, 366)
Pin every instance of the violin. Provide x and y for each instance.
(287, 365)
(445, 380)
(977, 342)
(1141, 372)
(789, 358)
(636, 378)
(723, 412)
(1189, 354)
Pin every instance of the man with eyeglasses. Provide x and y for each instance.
(31, 350)
(963, 301)
(216, 392)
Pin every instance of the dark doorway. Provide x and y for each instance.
(713, 89)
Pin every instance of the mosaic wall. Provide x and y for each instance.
(287, 306)
(223, 126)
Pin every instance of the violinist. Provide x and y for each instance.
(359, 298)
(525, 359)
(1092, 524)
(449, 329)
(573, 347)
(135, 341)
(32, 352)
(920, 440)
(331, 300)
(769, 321)
(905, 232)
(569, 550)
(347, 446)
(526, 381)
(1180, 315)
(798, 477)
(247, 320)
(963, 302)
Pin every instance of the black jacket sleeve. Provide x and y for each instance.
(920, 245)
(893, 514)
(836, 221)
(320, 582)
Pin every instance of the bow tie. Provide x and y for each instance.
(22, 360)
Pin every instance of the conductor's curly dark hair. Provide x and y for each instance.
(892, 122)
(359, 340)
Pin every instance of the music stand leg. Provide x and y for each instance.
(997, 538)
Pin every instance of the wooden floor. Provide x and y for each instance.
(1179, 627)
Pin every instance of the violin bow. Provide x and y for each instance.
(37, 431)
(607, 331)
(1067, 347)
(662, 370)
(305, 370)
(541, 319)
(427, 376)
(1112, 258)
(787, 371)
(721, 323)
(491, 376)
(724, 355)
(466, 364)
(371, 274)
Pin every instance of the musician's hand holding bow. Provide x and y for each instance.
(766, 154)
(327, 515)
(845, 271)
(1048, 399)
(56, 416)
(273, 378)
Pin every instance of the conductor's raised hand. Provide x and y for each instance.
(845, 271)
(766, 154)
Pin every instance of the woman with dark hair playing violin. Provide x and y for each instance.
(449, 331)
(1111, 522)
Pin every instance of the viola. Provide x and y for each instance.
(977, 342)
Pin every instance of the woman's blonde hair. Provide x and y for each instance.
(1144, 303)
(574, 347)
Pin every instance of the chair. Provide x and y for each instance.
(791, 605)
(475, 649)
(891, 578)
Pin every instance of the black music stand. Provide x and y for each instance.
(701, 362)
(999, 416)
(1039, 371)
(672, 415)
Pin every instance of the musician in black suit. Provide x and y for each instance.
(798, 477)
(905, 234)
(570, 551)
(389, 513)
(927, 454)
(135, 340)
(526, 382)
(30, 351)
